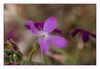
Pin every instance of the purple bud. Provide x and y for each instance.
(85, 34)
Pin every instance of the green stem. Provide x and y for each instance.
(30, 55)
(32, 51)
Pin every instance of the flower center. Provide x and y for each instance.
(44, 35)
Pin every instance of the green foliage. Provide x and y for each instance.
(11, 55)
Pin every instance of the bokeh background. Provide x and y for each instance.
(69, 16)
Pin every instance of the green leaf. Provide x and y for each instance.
(11, 59)
(8, 52)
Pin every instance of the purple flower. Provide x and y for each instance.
(84, 34)
(45, 36)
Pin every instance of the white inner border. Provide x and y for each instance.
(97, 66)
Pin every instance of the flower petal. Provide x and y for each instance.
(43, 45)
(58, 41)
(50, 24)
(39, 25)
(30, 25)
(85, 36)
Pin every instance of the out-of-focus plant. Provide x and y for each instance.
(83, 34)
(83, 37)
(12, 54)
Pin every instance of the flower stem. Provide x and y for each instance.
(30, 55)
(32, 51)
(80, 46)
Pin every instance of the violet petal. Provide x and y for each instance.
(30, 25)
(43, 45)
(58, 41)
(50, 24)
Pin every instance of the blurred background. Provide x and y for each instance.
(69, 16)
